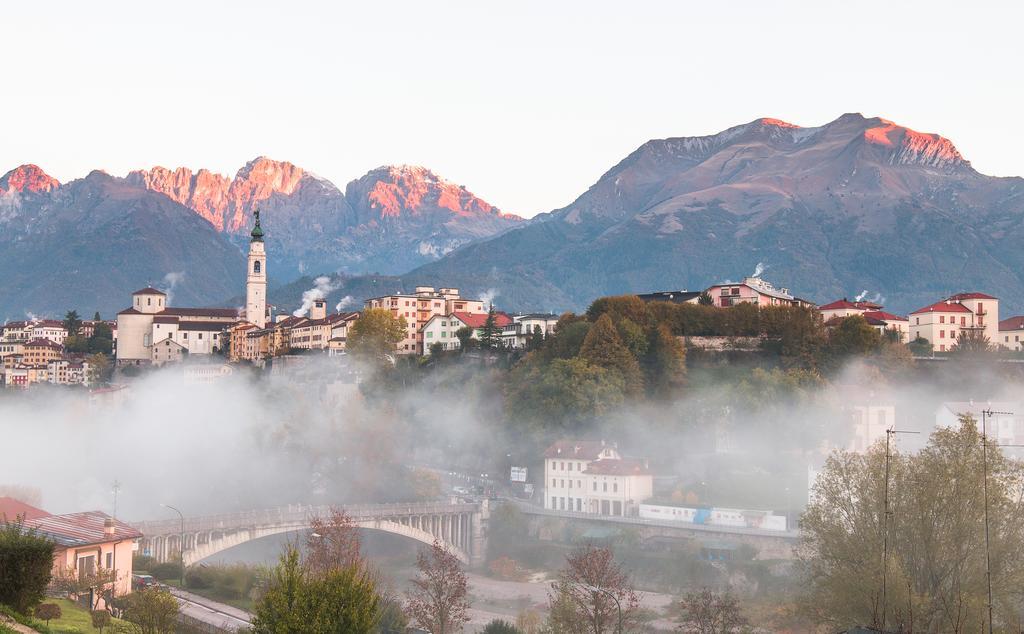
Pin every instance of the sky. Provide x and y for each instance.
(525, 103)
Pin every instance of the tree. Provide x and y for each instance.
(426, 485)
(973, 343)
(590, 591)
(619, 307)
(465, 337)
(100, 618)
(705, 299)
(76, 583)
(391, 617)
(707, 612)
(563, 393)
(72, 323)
(529, 621)
(47, 611)
(604, 348)
(375, 335)
(664, 363)
(333, 543)
(490, 335)
(26, 562)
(498, 626)
(99, 368)
(853, 336)
(920, 346)
(297, 601)
(536, 339)
(934, 533)
(102, 338)
(437, 601)
(151, 611)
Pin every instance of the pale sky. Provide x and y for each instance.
(525, 103)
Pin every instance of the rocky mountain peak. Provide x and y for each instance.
(397, 190)
(29, 178)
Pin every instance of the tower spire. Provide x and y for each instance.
(257, 231)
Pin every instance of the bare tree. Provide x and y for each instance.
(333, 543)
(437, 601)
(593, 594)
(707, 612)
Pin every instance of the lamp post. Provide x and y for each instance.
(605, 591)
(181, 543)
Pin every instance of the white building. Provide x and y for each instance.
(442, 328)
(592, 477)
(419, 308)
(518, 333)
(753, 290)
(256, 279)
(1004, 427)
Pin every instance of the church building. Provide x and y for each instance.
(151, 332)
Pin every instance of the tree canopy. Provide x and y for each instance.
(375, 334)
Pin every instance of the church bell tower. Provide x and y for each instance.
(256, 282)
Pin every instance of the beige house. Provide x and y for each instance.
(418, 308)
(166, 351)
(40, 352)
(942, 323)
(845, 308)
(1011, 333)
(886, 323)
(592, 477)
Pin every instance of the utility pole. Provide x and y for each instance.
(181, 543)
(985, 413)
(117, 488)
(889, 433)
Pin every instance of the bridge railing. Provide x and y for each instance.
(300, 515)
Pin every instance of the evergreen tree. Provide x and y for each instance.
(604, 348)
(535, 340)
(72, 323)
(490, 336)
(96, 316)
(664, 363)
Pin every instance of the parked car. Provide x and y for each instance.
(141, 582)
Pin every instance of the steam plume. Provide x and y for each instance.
(321, 287)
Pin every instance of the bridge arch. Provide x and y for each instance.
(458, 526)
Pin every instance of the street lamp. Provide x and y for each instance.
(181, 543)
(605, 591)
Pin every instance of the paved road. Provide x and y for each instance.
(209, 611)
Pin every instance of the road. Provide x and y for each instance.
(208, 611)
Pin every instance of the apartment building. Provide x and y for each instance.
(419, 307)
(593, 477)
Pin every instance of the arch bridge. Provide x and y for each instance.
(457, 525)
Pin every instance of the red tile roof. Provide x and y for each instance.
(944, 306)
(1013, 323)
(577, 449)
(44, 343)
(960, 296)
(882, 316)
(81, 529)
(477, 320)
(839, 305)
(11, 509)
(623, 467)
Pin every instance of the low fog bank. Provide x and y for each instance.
(307, 434)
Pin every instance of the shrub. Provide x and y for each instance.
(47, 611)
(497, 626)
(100, 619)
(26, 564)
(166, 571)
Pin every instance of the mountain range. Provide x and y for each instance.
(858, 205)
(88, 243)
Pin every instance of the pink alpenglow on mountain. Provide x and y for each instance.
(27, 178)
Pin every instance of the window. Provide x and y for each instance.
(200, 335)
(918, 323)
(563, 484)
(554, 503)
(942, 319)
(554, 482)
(149, 301)
(256, 266)
(570, 466)
(605, 487)
(963, 320)
(942, 334)
(570, 483)
(595, 486)
(86, 566)
(184, 335)
(615, 487)
(110, 561)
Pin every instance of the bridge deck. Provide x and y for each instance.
(296, 514)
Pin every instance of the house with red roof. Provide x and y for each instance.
(442, 328)
(844, 308)
(593, 477)
(1011, 332)
(943, 322)
(83, 542)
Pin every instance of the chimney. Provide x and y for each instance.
(319, 309)
(108, 527)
